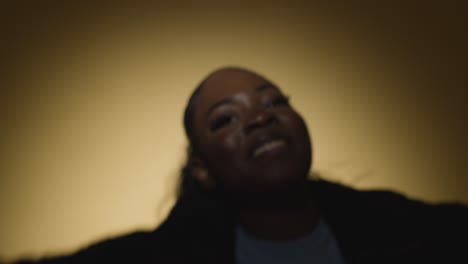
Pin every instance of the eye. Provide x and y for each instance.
(278, 101)
(220, 122)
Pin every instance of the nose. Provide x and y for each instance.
(259, 119)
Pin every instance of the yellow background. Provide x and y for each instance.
(92, 99)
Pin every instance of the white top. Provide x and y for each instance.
(319, 246)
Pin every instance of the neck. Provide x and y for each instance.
(282, 222)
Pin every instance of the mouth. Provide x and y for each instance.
(266, 147)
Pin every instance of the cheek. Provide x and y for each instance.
(294, 122)
(298, 130)
(226, 147)
(226, 161)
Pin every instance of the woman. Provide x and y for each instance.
(245, 196)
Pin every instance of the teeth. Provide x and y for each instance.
(267, 147)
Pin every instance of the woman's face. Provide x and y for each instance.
(249, 138)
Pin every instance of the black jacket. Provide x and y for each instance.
(370, 227)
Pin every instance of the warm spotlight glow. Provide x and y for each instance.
(92, 137)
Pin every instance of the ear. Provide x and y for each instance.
(199, 171)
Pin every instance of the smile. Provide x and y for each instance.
(268, 147)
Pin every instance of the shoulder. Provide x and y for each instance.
(336, 198)
(335, 194)
(387, 223)
(381, 195)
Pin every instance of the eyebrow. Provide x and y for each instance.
(230, 100)
(263, 87)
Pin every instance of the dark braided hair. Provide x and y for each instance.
(188, 114)
(187, 183)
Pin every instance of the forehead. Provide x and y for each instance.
(227, 83)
